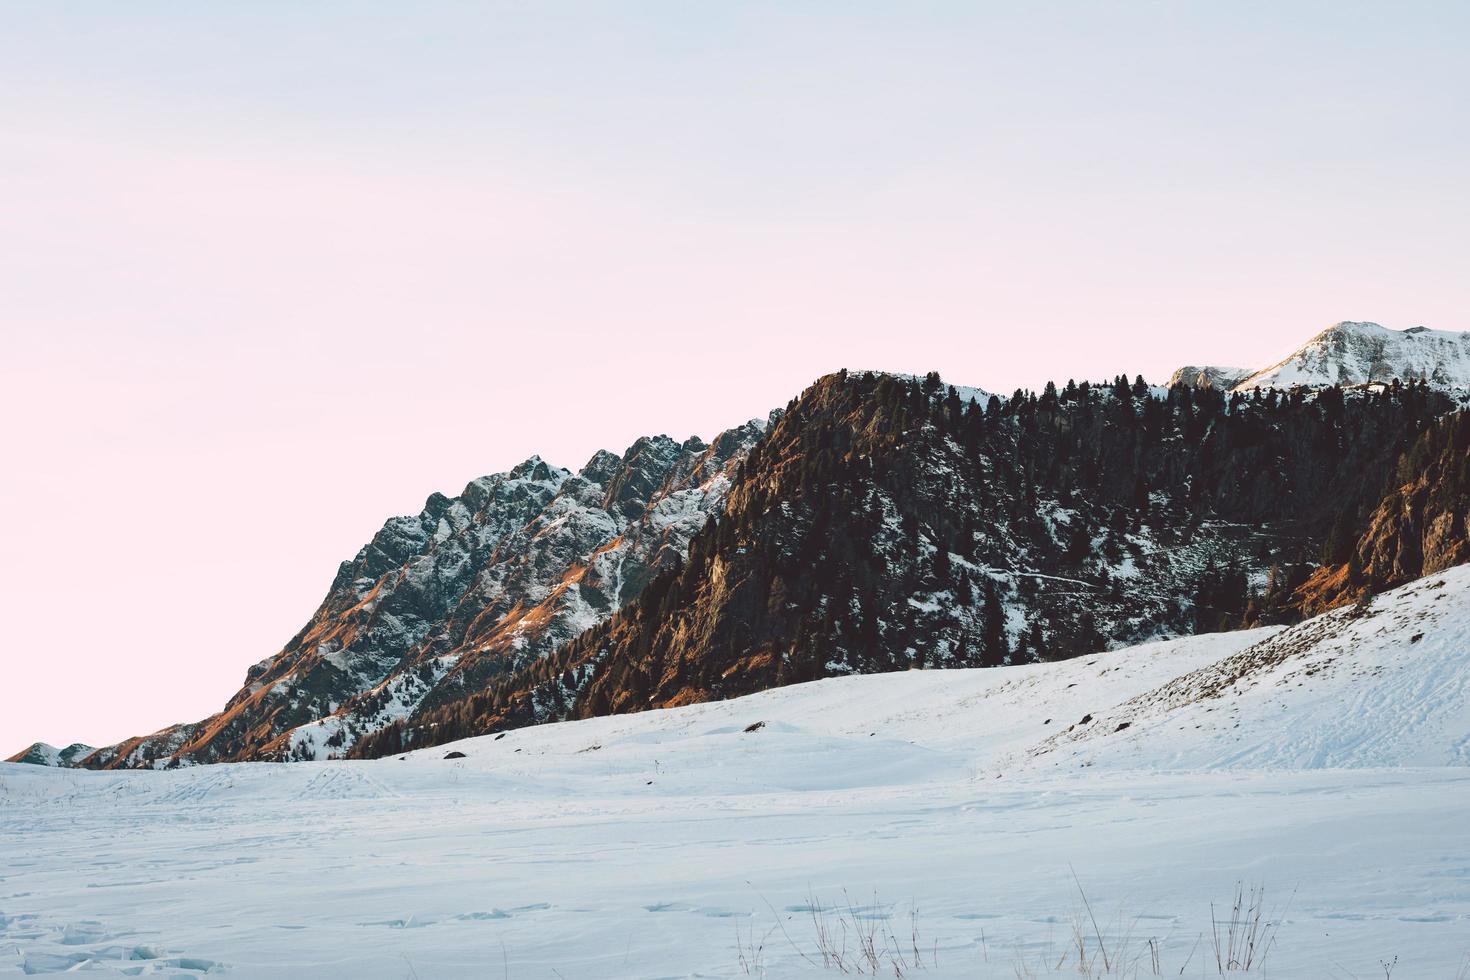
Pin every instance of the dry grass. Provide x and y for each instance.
(1241, 937)
(1247, 935)
(846, 938)
(752, 951)
(1121, 950)
(861, 940)
(880, 940)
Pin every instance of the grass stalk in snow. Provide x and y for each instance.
(1248, 934)
(752, 951)
(855, 940)
(852, 941)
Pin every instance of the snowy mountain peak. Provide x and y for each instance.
(536, 470)
(1209, 376)
(1357, 352)
(601, 467)
(42, 754)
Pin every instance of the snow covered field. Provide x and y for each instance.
(1326, 763)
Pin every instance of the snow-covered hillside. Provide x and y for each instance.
(1357, 353)
(695, 841)
(42, 754)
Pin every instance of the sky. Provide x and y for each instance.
(273, 272)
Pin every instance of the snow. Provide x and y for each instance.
(965, 393)
(1357, 353)
(1209, 375)
(1326, 762)
(42, 754)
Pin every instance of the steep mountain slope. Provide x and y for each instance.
(474, 585)
(1351, 353)
(1419, 527)
(884, 524)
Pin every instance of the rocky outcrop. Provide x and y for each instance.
(471, 587)
(1417, 529)
(1221, 378)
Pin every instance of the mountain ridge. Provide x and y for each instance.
(44, 754)
(1352, 352)
(518, 562)
(486, 591)
(879, 528)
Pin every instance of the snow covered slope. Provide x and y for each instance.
(1357, 353)
(695, 841)
(1383, 685)
(41, 754)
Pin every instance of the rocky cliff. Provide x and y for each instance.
(471, 587)
(886, 524)
(1417, 529)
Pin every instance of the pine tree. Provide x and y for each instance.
(1035, 644)
(1340, 540)
(942, 566)
(995, 649)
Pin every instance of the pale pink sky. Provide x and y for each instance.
(271, 275)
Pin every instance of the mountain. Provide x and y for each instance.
(1351, 353)
(41, 754)
(880, 522)
(1223, 378)
(886, 524)
(473, 586)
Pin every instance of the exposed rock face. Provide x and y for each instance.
(1417, 529)
(1221, 378)
(884, 524)
(1351, 353)
(41, 754)
(1420, 528)
(473, 586)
